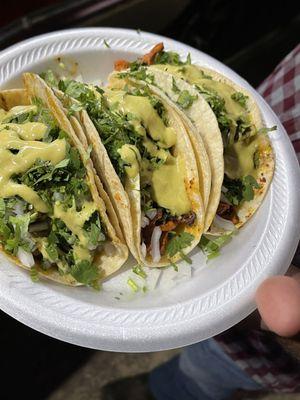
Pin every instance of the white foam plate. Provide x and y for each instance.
(191, 306)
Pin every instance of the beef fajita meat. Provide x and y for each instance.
(149, 57)
(169, 226)
(227, 211)
(163, 241)
(119, 65)
(166, 227)
(187, 219)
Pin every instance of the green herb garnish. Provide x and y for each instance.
(85, 272)
(240, 98)
(211, 246)
(239, 190)
(34, 275)
(49, 77)
(133, 285)
(249, 184)
(256, 159)
(178, 243)
(185, 99)
(264, 131)
(175, 88)
(139, 271)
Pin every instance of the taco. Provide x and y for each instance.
(52, 220)
(143, 154)
(202, 129)
(248, 154)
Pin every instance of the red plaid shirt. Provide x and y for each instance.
(257, 352)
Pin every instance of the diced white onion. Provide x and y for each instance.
(79, 78)
(224, 224)
(145, 221)
(151, 214)
(25, 257)
(19, 208)
(143, 249)
(224, 189)
(58, 196)
(155, 246)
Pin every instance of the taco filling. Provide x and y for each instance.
(47, 215)
(134, 127)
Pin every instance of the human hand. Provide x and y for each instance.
(278, 302)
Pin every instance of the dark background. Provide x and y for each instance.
(250, 37)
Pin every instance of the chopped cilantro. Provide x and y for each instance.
(217, 104)
(189, 59)
(264, 131)
(211, 245)
(21, 118)
(75, 107)
(146, 198)
(159, 108)
(249, 183)
(186, 258)
(85, 272)
(205, 75)
(185, 99)
(34, 275)
(234, 190)
(106, 44)
(239, 190)
(178, 243)
(5, 231)
(140, 73)
(175, 88)
(2, 208)
(175, 266)
(94, 231)
(240, 98)
(52, 252)
(167, 57)
(49, 77)
(133, 285)
(14, 233)
(72, 88)
(170, 57)
(244, 130)
(256, 159)
(139, 271)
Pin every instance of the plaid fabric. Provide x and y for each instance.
(257, 352)
(282, 91)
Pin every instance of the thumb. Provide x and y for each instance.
(278, 302)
